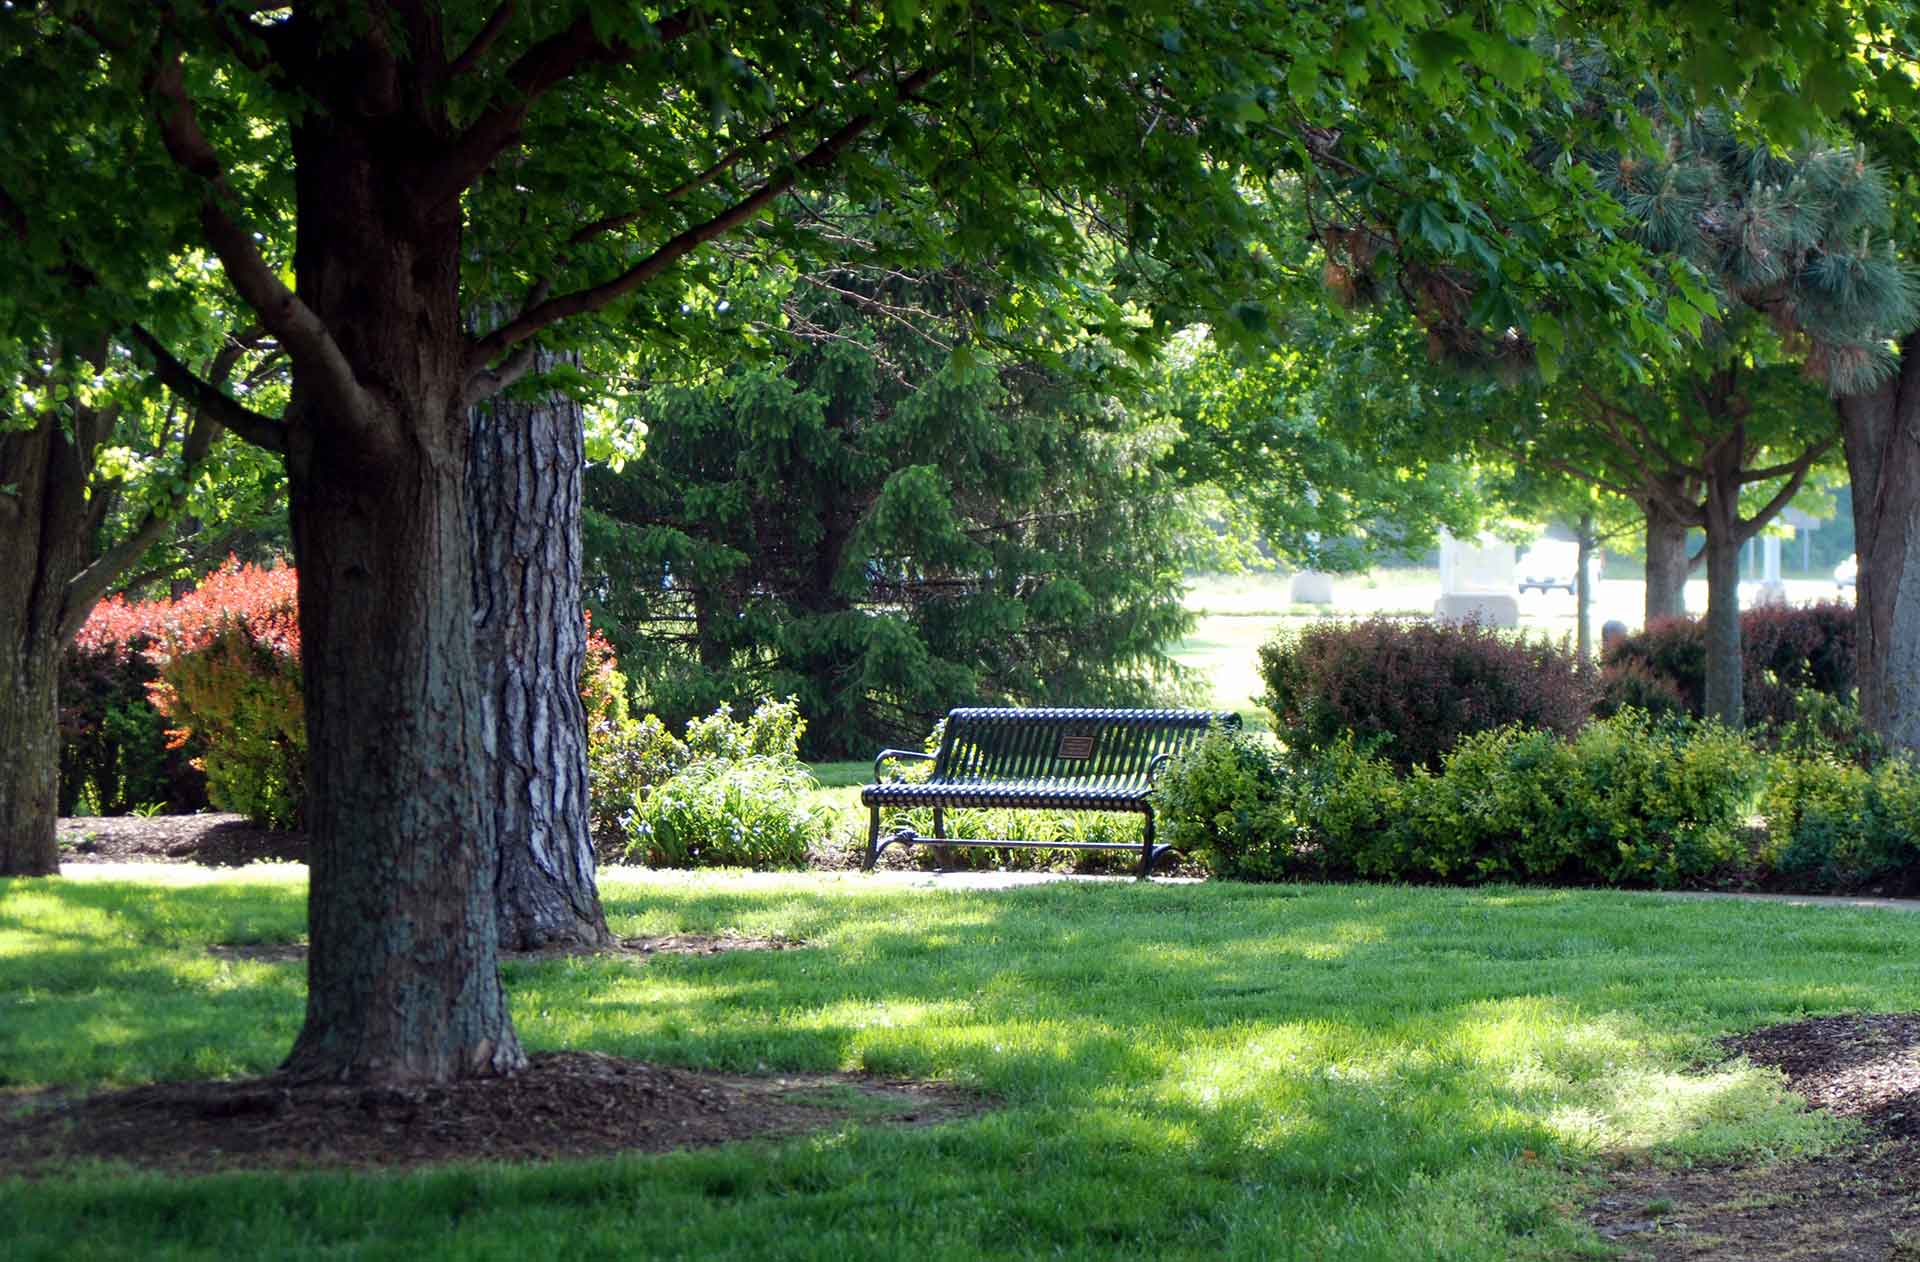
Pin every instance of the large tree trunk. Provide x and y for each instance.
(1724, 700)
(1667, 564)
(525, 486)
(403, 980)
(1879, 430)
(42, 546)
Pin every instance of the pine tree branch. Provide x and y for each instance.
(592, 298)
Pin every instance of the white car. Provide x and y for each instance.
(1552, 563)
(1847, 572)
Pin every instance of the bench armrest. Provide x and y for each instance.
(1155, 767)
(885, 754)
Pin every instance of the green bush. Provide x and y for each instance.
(1223, 803)
(1832, 825)
(1660, 802)
(1496, 810)
(731, 794)
(754, 812)
(1629, 801)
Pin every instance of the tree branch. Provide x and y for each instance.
(301, 332)
(537, 71)
(1745, 530)
(205, 398)
(84, 589)
(483, 43)
(593, 298)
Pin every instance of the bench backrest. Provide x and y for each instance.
(1085, 747)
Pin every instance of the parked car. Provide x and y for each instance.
(1552, 563)
(1845, 573)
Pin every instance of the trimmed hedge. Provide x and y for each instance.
(1628, 801)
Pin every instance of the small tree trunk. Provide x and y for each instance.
(42, 547)
(1884, 463)
(530, 634)
(1583, 593)
(1723, 699)
(1666, 563)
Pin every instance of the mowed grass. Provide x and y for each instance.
(1201, 1071)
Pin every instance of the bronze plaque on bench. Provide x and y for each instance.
(1075, 748)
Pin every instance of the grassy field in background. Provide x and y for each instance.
(1205, 1071)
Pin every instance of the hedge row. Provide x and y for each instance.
(1630, 800)
(1411, 691)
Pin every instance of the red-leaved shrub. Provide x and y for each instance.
(228, 654)
(114, 752)
(1784, 650)
(1415, 688)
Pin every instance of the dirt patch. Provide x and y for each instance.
(1857, 1204)
(637, 948)
(213, 840)
(565, 1105)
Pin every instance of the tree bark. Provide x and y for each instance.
(524, 483)
(1879, 431)
(1583, 592)
(43, 538)
(1667, 563)
(403, 973)
(1726, 535)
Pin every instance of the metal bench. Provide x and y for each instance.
(1039, 759)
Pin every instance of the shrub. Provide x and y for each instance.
(1833, 825)
(1784, 652)
(1497, 809)
(1222, 802)
(1659, 802)
(228, 655)
(114, 753)
(1347, 817)
(755, 812)
(1628, 801)
(1413, 690)
(731, 794)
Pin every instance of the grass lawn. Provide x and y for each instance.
(1199, 1071)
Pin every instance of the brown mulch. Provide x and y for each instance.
(211, 839)
(564, 1105)
(634, 948)
(1860, 1203)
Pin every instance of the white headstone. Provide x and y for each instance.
(1311, 587)
(1477, 581)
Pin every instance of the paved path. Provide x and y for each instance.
(193, 874)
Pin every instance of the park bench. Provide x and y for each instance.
(1038, 759)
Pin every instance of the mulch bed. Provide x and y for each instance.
(213, 840)
(564, 1105)
(1856, 1204)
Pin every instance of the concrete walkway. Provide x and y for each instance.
(193, 874)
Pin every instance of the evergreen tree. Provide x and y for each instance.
(887, 525)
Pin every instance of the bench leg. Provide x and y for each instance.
(873, 839)
(1146, 848)
(940, 832)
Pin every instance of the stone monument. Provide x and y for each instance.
(1477, 582)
